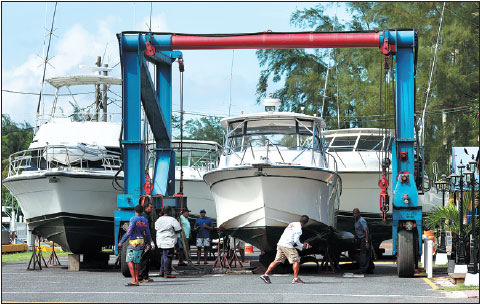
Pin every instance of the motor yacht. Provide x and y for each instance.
(273, 169)
(67, 181)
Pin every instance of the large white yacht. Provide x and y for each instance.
(199, 157)
(68, 179)
(359, 152)
(274, 169)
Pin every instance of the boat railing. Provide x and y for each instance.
(269, 149)
(268, 144)
(331, 162)
(61, 157)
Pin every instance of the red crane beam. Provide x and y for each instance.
(273, 41)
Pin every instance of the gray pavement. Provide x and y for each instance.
(56, 284)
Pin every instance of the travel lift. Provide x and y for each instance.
(161, 49)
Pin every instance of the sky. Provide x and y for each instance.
(213, 79)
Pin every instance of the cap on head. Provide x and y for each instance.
(185, 210)
(203, 211)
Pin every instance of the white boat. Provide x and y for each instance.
(358, 153)
(273, 170)
(64, 181)
(199, 157)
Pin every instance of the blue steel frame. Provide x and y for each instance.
(139, 89)
(136, 83)
(405, 47)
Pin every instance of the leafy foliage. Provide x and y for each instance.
(451, 215)
(205, 128)
(15, 137)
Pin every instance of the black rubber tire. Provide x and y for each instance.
(123, 263)
(405, 254)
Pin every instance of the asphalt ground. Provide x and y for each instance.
(57, 284)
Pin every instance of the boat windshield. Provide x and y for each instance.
(293, 134)
(356, 143)
(196, 158)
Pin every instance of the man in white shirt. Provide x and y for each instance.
(167, 228)
(286, 249)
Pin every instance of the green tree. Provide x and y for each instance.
(205, 128)
(15, 137)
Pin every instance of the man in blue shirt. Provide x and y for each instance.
(203, 226)
(139, 235)
(362, 236)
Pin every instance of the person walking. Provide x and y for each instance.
(203, 225)
(167, 228)
(186, 229)
(363, 238)
(139, 234)
(286, 249)
(145, 259)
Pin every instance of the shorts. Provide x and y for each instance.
(134, 255)
(203, 242)
(284, 253)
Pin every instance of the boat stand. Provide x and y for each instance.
(53, 259)
(329, 258)
(234, 258)
(222, 258)
(37, 257)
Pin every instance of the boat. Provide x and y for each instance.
(272, 170)
(358, 152)
(199, 157)
(67, 181)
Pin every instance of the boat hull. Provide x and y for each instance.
(198, 197)
(72, 209)
(256, 204)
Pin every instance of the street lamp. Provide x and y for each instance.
(442, 185)
(461, 248)
(473, 265)
(453, 180)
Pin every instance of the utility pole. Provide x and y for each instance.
(104, 97)
(97, 93)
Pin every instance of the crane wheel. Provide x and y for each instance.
(406, 254)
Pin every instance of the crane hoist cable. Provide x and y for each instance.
(181, 67)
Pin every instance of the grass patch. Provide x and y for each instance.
(460, 286)
(26, 255)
